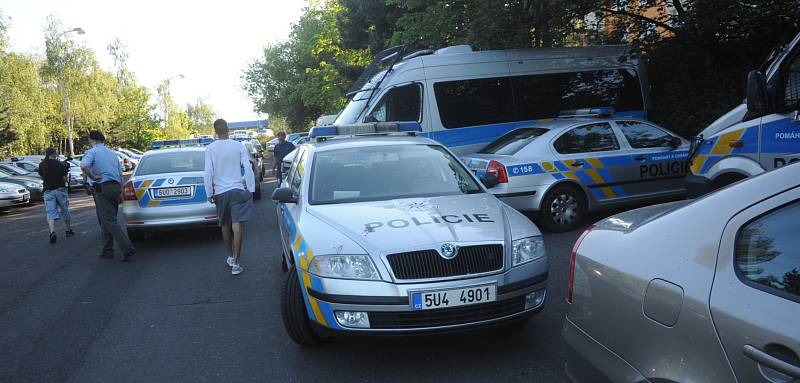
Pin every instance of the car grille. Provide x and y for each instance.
(445, 317)
(426, 264)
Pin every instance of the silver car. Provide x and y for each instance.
(701, 292)
(392, 234)
(564, 168)
(166, 192)
(12, 195)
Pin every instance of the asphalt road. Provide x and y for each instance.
(176, 314)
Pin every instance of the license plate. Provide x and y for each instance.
(439, 299)
(184, 191)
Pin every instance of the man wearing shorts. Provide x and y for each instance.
(56, 201)
(229, 182)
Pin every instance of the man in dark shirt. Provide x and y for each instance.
(282, 148)
(56, 200)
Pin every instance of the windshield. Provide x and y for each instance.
(513, 141)
(185, 161)
(387, 172)
(10, 169)
(350, 112)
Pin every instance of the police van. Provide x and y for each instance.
(759, 135)
(386, 232)
(464, 98)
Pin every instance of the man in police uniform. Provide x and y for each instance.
(101, 167)
(282, 148)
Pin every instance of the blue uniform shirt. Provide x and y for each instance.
(104, 163)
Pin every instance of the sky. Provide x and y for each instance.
(209, 43)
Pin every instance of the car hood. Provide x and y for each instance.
(397, 225)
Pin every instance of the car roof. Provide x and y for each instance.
(175, 150)
(345, 142)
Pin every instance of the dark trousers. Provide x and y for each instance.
(107, 198)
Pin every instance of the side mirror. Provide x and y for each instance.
(489, 180)
(756, 94)
(284, 195)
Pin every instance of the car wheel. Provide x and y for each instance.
(563, 209)
(293, 311)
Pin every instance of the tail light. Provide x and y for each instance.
(571, 279)
(498, 170)
(128, 194)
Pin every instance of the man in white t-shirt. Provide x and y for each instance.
(229, 182)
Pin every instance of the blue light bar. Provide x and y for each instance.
(365, 128)
(163, 144)
(587, 112)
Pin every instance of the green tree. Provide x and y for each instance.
(201, 117)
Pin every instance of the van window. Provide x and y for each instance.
(403, 103)
(641, 135)
(766, 251)
(792, 93)
(545, 95)
(474, 102)
(587, 138)
(513, 141)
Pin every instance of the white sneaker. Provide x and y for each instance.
(236, 269)
(231, 261)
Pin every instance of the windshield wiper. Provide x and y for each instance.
(394, 57)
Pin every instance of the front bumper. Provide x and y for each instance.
(697, 186)
(392, 314)
(14, 200)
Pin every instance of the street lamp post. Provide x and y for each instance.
(166, 100)
(64, 92)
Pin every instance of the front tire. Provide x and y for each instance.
(563, 209)
(293, 311)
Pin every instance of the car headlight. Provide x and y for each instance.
(526, 250)
(6, 190)
(32, 185)
(343, 266)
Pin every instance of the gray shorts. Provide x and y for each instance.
(234, 205)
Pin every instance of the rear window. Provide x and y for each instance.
(188, 161)
(512, 141)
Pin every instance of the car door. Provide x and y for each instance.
(591, 155)
(286, 220)
(658, 159)
(780, 132)
(755, 298)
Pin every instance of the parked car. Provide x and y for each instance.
(33, 185)
(128, 163)
(257, 163)
(17, 171)
(29, 166)
(11, 195)
(707, 291)
(584, 161)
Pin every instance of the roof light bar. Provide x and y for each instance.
(587, 112)
(365, 128)
(164, 144)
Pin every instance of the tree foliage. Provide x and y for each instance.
(699, 51)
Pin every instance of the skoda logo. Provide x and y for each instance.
(449, 250)
(170, 181)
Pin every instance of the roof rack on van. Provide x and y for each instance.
(602, 112)
(422, 52)
(406, 127)
(164, 144)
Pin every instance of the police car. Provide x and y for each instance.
(387, 232)
(166, 189)
(759, 135)
(583, 160)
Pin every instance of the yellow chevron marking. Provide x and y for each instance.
(723, 143)
(549, 167)
(608, 192)
(698, 163)
(298, 240)
(595, 163)
(595, 176)
(145, 184)
(139, 193)
(303, 262)
(313, 302)
(153, 203)
(571, 175)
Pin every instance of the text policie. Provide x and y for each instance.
(444, 218)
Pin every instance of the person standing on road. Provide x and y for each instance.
(56, 201)
(104, 175)
(282, 148)
(230, 183)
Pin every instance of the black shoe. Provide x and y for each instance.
(127, 257)
(69, 233)
(53, 238)
(106, 256)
